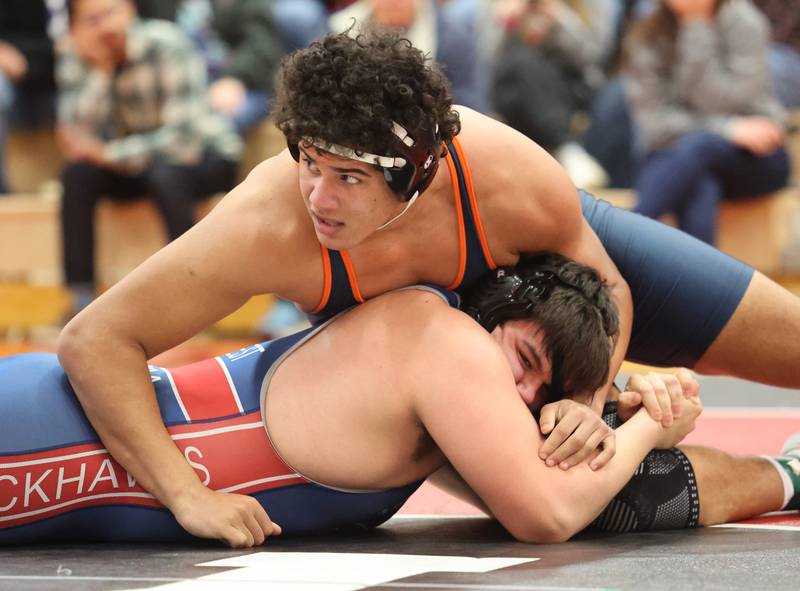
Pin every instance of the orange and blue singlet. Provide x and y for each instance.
(684, 291)
(341, 290)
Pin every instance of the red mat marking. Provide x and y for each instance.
(785, 520)
(736, 431)
(760, 432)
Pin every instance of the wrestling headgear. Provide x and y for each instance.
(408, 173)
(508, 296)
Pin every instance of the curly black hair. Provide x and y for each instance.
(347, 90)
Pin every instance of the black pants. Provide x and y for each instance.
(174, 188)
(536, 93)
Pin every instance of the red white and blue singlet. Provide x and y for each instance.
(58, 483)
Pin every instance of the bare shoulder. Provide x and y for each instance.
(419, 316)
(431, 333)
(262, 223)
(523, 193)
(252, 242)
(271, 183)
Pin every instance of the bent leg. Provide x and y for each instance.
(695, 306)
(671, 178)
(692, 486)
(684, 291)
(761, 341)
(84, 185)
(699, 216)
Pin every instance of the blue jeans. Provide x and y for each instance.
(784, 63)
(696, 172)
(21, 110)
(611, 138)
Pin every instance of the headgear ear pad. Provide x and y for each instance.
(507, 295)
(422, 161)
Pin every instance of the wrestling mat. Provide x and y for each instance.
(437, 543)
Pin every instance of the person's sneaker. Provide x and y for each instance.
(791, 447)
(584, 170)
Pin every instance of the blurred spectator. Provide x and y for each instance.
(27, 85)
(702, 98)
(162, 9)
(610, 138)
(300, 22)
(445, 31)
(547, 69)
(241, 45)
(134, 120)
(784, 52)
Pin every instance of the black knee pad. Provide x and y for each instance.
(661, 495)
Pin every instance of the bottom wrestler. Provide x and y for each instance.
(428, 374)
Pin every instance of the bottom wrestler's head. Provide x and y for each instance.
(556, 322)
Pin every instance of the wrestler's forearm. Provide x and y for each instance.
(114, 388)
(622, 298)
(584, 493)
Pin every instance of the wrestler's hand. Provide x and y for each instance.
(238, 520)
(661, 395)
(691, 407)
(574, 433)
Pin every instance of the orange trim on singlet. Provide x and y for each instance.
(462, 233)
(474, 203)
(351, 274)
(326, 274)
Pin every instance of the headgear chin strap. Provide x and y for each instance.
(408, 174)
(409, 203)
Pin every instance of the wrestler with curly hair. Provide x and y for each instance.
(385, 184)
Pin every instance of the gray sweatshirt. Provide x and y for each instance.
(719, 73)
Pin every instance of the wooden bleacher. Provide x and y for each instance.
(764, 232)
(126, 234)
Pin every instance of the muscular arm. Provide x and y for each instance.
(529, 205)
(201, 277)
(491, 444)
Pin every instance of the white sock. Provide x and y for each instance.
(788, 486)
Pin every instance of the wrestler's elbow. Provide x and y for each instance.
(74, 346)
(70, 343)
(543, 525)
(82, 342)
(540, 533)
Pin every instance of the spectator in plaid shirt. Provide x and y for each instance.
(133, 120)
